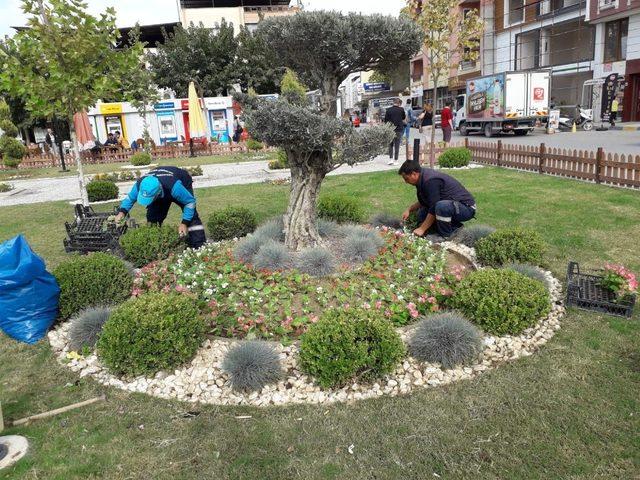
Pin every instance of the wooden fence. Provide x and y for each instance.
(593, 166)
(123, 155)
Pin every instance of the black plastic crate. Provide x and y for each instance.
(91, 232)
(584, 291)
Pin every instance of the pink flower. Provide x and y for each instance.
(438, 277)
(366, 306)
(379, 304)
(181, 289)
(412, 310)
(314, 319)
(431, 300)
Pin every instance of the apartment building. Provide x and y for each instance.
(617, 48)
(239, 12)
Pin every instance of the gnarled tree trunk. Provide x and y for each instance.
(300, 222)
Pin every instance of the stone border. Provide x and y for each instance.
(202, 380)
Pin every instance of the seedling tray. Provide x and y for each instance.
(584, 292)
(92, 232)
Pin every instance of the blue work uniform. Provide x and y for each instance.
(176, 187)
(444, 197)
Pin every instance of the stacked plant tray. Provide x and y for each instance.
(94, 232)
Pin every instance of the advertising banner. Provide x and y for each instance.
(554, 119)
(376, 87)
(485, 97)
(609, 91)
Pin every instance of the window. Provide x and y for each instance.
(615, 40)
(602, 4)
(515, 11)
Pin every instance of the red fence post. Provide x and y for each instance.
(599, 164)
(543, 151)
(499, 153)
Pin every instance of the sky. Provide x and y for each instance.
(128, 12)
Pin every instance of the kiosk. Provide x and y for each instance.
(167, 127)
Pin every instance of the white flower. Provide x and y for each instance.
(224, 285)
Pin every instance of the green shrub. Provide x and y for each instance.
(101, 190)
(531, 271)
(5, 187)
(350, 344)
(8, 128)
(340, 208)
(231, 222)
(141, 159)
(95, 279)
(254, 145)
(195, 171)
(511, 245)
(455, 157)
(281, 162)
(470, 235)
(501, 301)
(12, 151)
(153, 332)
(149, 243)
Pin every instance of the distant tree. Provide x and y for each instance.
(292, 89)
(323, 48)
(256, 66)
(64, 61)
(11, 149)
(441, 21)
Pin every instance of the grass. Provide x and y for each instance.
(571, 411)
(90, 169)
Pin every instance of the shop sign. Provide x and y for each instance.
(164, 106)
(110, 108)
(218, 103)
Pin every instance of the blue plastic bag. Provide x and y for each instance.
(28, 293)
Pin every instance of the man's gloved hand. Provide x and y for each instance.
(183, 230)
(119, 217)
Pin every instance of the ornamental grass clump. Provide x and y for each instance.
(86, 327)
(252, 365)
(317, 262)
(384, 219)
(231, 222)
(350, 345)
(273, 229)
(501, 301)
(247, 247)
(446, 338)
(327, 228)
(272, 256)
(149, 243)
(528, 270)
(153, 332)
(359, 249)
(94, 279)
(362, 232)
(470, 235)
(511, 245)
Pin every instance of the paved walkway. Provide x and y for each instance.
(55, 189)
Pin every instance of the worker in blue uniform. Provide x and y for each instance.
(157, 190)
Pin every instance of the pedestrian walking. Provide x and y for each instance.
(614, 112)
(410, 119)
(446, 121)
(396, 116)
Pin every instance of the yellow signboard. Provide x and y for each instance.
(110, 108)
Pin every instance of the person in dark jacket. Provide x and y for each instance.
(443, 203)
(396, 116)
(157, 190)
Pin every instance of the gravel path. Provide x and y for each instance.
(54, 189)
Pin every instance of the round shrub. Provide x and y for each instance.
(247, 247)
(327, 228)
(273, 229)
(317, 262)
(386, 220)
(455, 157)
(94, 279)
(340, 208)
(153, 332)
(358, 249)
(446, 338)
(254, 145)
(8, 128)
(252, 365)
(530, 271)
(350, 344)
(140, 159)
(5, 187)
(101, 190)
(86, 327)
(281, 162)
(511, 245)
(272, 256)
(231, 222)
(149, 243)
(501, 301)
(470, 235)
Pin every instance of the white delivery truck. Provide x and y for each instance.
(504, 102)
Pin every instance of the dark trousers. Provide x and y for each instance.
(612, 118)
(395, 145)
(157, 214)
(449, 217)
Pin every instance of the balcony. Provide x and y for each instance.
(555, 7)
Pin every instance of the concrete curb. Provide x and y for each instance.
(626, 128)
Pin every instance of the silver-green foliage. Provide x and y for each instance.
(272, 256)
(446, 338)
(327, 228)
(384, 219)
(252, 365)
(362, 232)
(317, 262)
(273, 229)
(86, 326)
(247, 247)
(358, 249)
(470, 235)
(528, 270)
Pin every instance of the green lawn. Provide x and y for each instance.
(572, 411)
(116, 167)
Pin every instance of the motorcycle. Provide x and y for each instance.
(584, 121)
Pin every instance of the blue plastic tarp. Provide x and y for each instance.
(28, 293)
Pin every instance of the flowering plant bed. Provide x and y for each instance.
(406, 279)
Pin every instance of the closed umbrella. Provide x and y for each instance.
(86, 139)
(197, 124)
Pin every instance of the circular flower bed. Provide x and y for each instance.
(237, 301)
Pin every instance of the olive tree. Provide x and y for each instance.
(323, 48)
